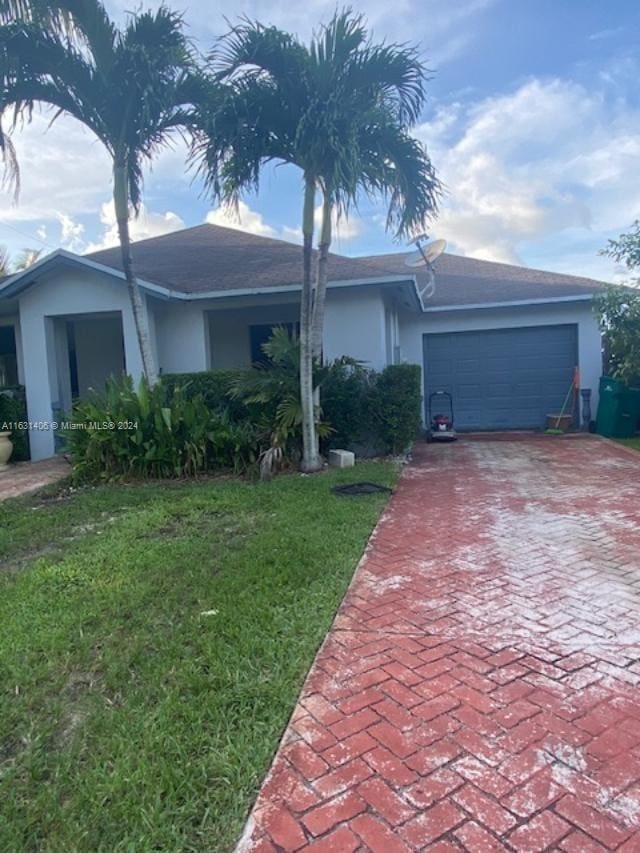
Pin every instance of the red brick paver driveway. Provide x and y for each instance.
(479, 689)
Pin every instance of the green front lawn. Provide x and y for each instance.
(153, 640)
(630, 442)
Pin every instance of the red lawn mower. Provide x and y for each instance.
(441, 424)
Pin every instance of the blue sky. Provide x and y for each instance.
(533, 123)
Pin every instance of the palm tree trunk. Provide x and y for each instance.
(310, 451)
(121, 204)
(317, 327)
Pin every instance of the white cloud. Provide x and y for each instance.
(343, 228)
(146, 224)
(242, 219)
(549, 157)
(444, 28)
(65, 178)
(70, 232)
(246, 219)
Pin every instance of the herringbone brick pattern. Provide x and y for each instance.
(480, 687)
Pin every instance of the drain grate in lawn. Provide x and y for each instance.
(153, 644)
(356, 489)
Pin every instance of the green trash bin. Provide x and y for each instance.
(618, 409)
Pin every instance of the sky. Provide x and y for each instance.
(532, 123)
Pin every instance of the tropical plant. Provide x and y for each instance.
(626, 249)
(125, 432)
(339, 109)
(13, 410)
(618, 311)
(5, 261)
(132, 87)
(27, 258)
(271, 393)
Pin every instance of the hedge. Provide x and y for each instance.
(369, 411)
(13, 407)
(397, 402)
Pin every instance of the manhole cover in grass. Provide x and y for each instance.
(353, 489)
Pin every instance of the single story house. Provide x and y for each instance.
(504, 340)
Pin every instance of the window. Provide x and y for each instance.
(259, 335)
(8, 359)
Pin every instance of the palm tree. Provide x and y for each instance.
(27, 258)
(5, 262)
(132, 87)
(341, 110)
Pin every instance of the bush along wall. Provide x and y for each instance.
(396, 406)
(13, 409)
(148, 432)
(189, 424)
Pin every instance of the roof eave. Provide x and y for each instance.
(61, 258)
(515, 303)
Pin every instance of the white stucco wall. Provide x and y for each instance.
(414, 326)
(181, 335)
(356, 325)
(67, 294)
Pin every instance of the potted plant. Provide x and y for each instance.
(6, 449)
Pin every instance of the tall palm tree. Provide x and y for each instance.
(5, 261)
(27, 258)
(133, 87)
(341, 110)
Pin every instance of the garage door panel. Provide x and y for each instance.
(502, 378)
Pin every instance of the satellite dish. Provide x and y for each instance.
(427, 253)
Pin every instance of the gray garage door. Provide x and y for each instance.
(502, 378)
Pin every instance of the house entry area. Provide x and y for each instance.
(502, 378)
(89, 349)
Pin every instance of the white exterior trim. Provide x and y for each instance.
(22, 281)
(516, 303)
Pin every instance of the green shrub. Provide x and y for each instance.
(345, 400)
(618, 310)
(195, 422)
(13, 408)
(143, 433)
(214, 386)
(396, 406)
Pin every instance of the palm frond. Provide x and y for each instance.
(396, 166)
(85, 23)
(261, 50)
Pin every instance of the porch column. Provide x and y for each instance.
(40, 378)
(132, 356)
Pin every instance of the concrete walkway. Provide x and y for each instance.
(480, 687)
(25, 477)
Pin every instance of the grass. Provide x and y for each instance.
(630, 442)
(154, 639)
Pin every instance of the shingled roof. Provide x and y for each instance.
(210, 258)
